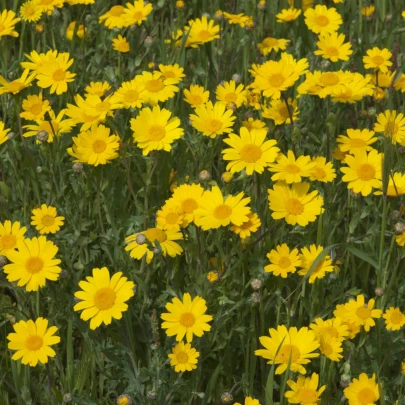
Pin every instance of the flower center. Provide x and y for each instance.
(34, 265)
(154, 85)
(195, 99)
(104, 298)
(123, 47)
(329, 79)
(172, 218)
(103, 106)
(358, 143)
(246, 225)
(8, 242)
(284, 262)
(153, 234)
(322, 20)
(363, 312)
(59, 75)
(396, 318)
(292, 168)
(33, 343)
(156, 133)
(366, 396)
(16, 86)
(287, 351)
(48, 220)
(378, 60)
(294, 206)
(319, 173)
(308, 396)
(99, 146)
(331, 331)
(366, 172)
(231, 97)
(138, 15)
(222, 211)
(189, 205)
(169, 75)
(284, 112)
(36, 109)
(182, 357)
(187, 320)
(250, 153)
(131, 95)
(270, 42)
(276, 80)
(213, 125)
(332, 51)
(204, 35)
(116, 11)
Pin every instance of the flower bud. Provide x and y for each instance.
(124, 400)
(77, 167)
(67, 398)
(219, 15)
(399, 228)
(227, 177)
(325, 64)
(205, 175)
(255, 297)
(140, 239)
(148, 41)
(256, 284)
(180, 4)
(395, 215)
(39, 169)
(344, 380)
(151, 395)
(371, 112)
(63, 274)
(212, 276)
(156, 251)
(42, 136)
(10, 135)
(226, 398)
(236, 77)
(379, 292)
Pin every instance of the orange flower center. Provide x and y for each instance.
(276, 80)
(213, 125)
(322, 20)
(138, 15)
(154, 85)
(291, 168)
(204, 35)
(378, 60)
(366, 396)
(131, 95)
(104, 298)
(287, 351)
(294, 206)
(172, 218)
(59, 75)
(99, 146)
(357, 143)
(270, 42)
(182, 357)
(363, 312)
(195, 99)
(189, 205)
(250, 153)
(308, 396)
(366, 172)
(231, 97)
(332, 51)
(156, 133)
(8, 242)
(396, 318)
(48, 220)
(153, 234)
(116, 11)
(34, 265)
(222, 211)
(319, 173)
(284, 262)
(187, 320)
(34, 343)
(329, 79)
(36, 109)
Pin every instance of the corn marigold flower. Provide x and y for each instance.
(201, 31)
(396, 185)
(94, 106)
(288, 15)
(251, 123)
(239, 19)
(283, 261)
(400, 239)
(186, 318)
(32, 341)
(35, 108)
(334, 327)
(170, 216)
(3, 133)
(215, 210)
(78, 114)
(392, 125)
(16, 85)
(30, 11)
(294, 203)
(229, 93)
(129, 95)
(33, 263)
(97, 88)
(279, 112)
(362, 391)
(249, 401)
(308, 257)
(247, 228)
(357, 140)
(103, 297)
(76, 2)
(38, 60)
(322, 20)
(399, 83)
(45, 219)
(172, 72)
(367, 11)
(81, 31)
(10, 234)
(113, 18)
(323, 171)
(305, 391)
(8, 21)
(378, 59)
(183, 357)
(213, 276)
(121, 44)
(269, 44)
(288, 348)
(136, 13)
(332, 46)
(157, 87)
(394, 319)
(166, 241)
(196, 95)
(49, 5)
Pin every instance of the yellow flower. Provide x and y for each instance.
(290, 169)
(186, 318)
(8, 21)
(363, 172)
(113, 18)
(200, 31)
(135, 14)
(394, 319)
(229, 93)
(283, 261)
(183, 357)
(38, 60)
(362, 391)
(212, 120)
(331, 46)
(16, 85)
(49, 5)
(81, 31)
(103, 297)
(215, 210)
(359, 313)
(249, 401)
(10, 234)
(253, 124)
(357, 140)
(250, 151)
(75, 2)
(239, 19)
(334, 328)
(196, 95)
(294, 203)
(399, 83)
(30, 11)
(289, 347)
(305, 391)
(33, 263)
(155, 130)
(247, 228)
(157, 87)
(165, 238)
(35, 108)
(121, 44)
(55, 74)
(170, 216)
(323, 171)
(45, 219)
(3, 132)
(378, 59)
(322, 20)
(403, 363)
(97, 88)
(308, 257)
(172, 72)
(367, 11)
(396, 185)
(129, 95)
(392, 125)
(32, 341)
(213, 276)
(279, 113)
(288, 15)
(269, 44)
(400, 239)
(94, 106)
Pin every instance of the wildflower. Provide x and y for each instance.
(121, 44)
(332, 46)
(356, 140)
(213, 276)
(322, 20)
(97, 88)
(8, 21)
(227, 177)
(396, 185)
(35, 108)
(30, 11)
(196, 95)
(378, 59)
(362, 391)
(247, 228)
(305, 391)
(334, 328)
(10, 234)
(124, 400)
(249, 401)
(129, 95)
(187, 198)
(81, 31)
(136, 13)
(183, 357)
(45, 219)
(392, 125)
(16, 85)
(172, 72)
(280, 113)
(229, 93)
(308, 257)
(156, 87)
(288, 15)
(269, 44)
(323, 171)
(49, 6)
(103, 297)
(394, 319)
(170, 217)
(113, 18)
(283, 261)
(367, 11)
(201, 31)
(3, 133)
(239, 19)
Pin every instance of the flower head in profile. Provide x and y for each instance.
(201, 31)
(8, 20)
(113, 18)
(247, 228)
(378, 59)
(305, 390)
(10, 234)
(279, 112)
(81, 31)
(394, 318)
(287, 15)
(32, 341)
(186, 318)
(249, 401)
(269, 44)
(183, 357)
(322, 20)
(363, 390)
(396, 185)
(308, 257)
(121, 44)
(334, 327)
(283, 261)
(332, 46)
(103, 297)
(392, 125)
(239, 19)
(16, 85)
(3, 133)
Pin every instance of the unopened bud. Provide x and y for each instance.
(399, 228)
(227, 177)
(39, 169)
(325, 64)
(226, 398)
(124, 400)
(64, 274)
(344, 380)
(140, 239)
(42, 136)
(148, 41)
(67, 398)
(379, 292)
(156, 251)
(371, 112)
(236, 77)
(255, 297)
(151, 395)
(256, 284)
(205, 175)
(77, 167)
(395, 215)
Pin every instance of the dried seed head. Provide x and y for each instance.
(255, 297)
(395, 215)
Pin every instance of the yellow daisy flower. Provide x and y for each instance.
(332, 46)
(45, 219)
(250, 151)
(391, 124)
(308, 257)
(121, 44)
(35, 108)
(355, 90)
(95, 147)
(170, 216)
(129, 95)
(269, 44)
(186, 318)
(396, 185)
(183, 357)
(215, 210)
(394, 318)
(323, 171)
(38, 60)
(165, 238)
(239, 19)
(200, 31)
(94, 106)
(30, 11)
(357, 140)
(294, 203)
(322, 20)
(288, 347)
(157, 87)
(49, 5)
(279, 113)
(16, 85)
(378, 59)
(305, 391)
(10, 234)
(97, 88)
(113, 18)
(103, 297)
(253, 124)
(249, 401)
(172, 72)
(3, 133)
(352, 328)
(362, 391)
(155, 130)
(385, 81)
(8, 21)
(137, 13)
(196, 95)
(283, 261)
(399, 83)
(212, 120)
(247, 228)
(363, 172)
(334, 327)
(32, 341)
(33, 263)
(229, 93)
(400, 239)
(288, 15)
